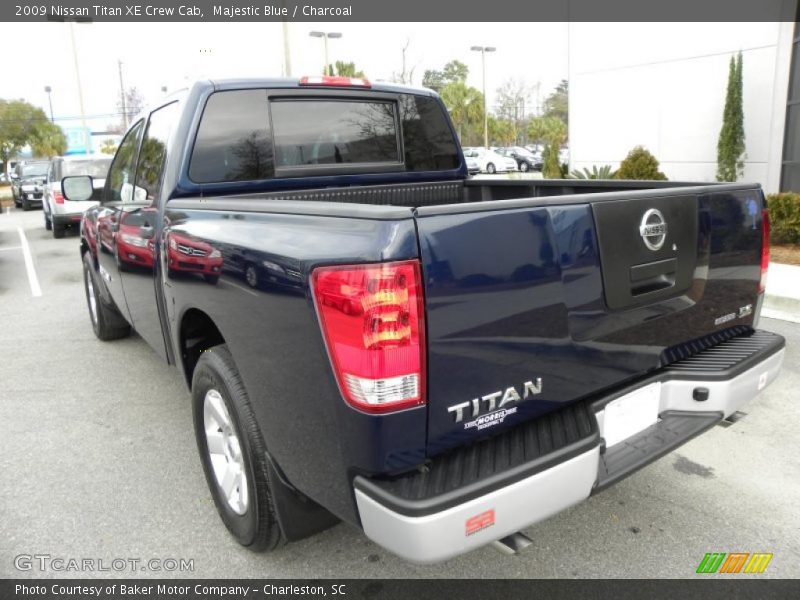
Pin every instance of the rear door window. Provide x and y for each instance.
(428, 140)
(233, 142)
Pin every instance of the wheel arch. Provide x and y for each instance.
(197, 332)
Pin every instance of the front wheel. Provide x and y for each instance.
(491, 169)
(107, 323)
(524, 167)
(233, 452)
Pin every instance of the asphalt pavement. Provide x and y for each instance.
(98, 461)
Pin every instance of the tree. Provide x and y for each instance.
(109, 146)
(453, 72)
(406, 75)
(557, 103)
(464, 103)
(345, 69)
(640, 164)
(551, 131)
(730, 147)
(512, 101)
(502, 131)
(21, 123)
(48, 140)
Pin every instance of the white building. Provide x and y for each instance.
(663, 86)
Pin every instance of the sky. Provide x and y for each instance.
(174, 54)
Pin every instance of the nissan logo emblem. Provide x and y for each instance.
(653, 229)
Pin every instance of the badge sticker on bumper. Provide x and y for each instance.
(480, 522)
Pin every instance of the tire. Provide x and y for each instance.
(47, 224)
(106, 321)
(491, 169)
(58, 231)
(26, 206)
(524, 167)
(251, 276)
(247, 510)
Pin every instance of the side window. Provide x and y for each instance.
(153, 153)
(233, 141)
(119, 187)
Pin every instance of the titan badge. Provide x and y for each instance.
(496, 400)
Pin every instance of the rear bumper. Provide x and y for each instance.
(68, 219)
(418, 533)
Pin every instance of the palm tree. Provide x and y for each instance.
(465, 105)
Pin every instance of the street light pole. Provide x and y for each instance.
(48, 89)
(483, 50)
(122, 97)
(86, 139)
(321, 34)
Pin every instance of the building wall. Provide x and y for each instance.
(663, 85)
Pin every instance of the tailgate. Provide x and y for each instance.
(533, 307)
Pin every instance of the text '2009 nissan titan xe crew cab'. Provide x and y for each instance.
(370, 336)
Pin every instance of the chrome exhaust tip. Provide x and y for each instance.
(512, 544)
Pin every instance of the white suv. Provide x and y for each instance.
(59, 213)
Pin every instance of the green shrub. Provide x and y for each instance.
(784, 218)
(640, 164)
(604, 172)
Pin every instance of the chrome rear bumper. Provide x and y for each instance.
(426, 538)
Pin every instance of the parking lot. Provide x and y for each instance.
(98, 461)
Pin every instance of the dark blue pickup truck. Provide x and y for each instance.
(371, 336)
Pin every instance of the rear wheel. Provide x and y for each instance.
(233, 452)
(491, 169)
(47, 224)
(107, 323)
(251, 276)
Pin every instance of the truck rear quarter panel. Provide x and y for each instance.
(271, 328)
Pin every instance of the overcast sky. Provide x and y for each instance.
(173, 54)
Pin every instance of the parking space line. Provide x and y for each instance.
(33, 280)
(244, 289)
(11, 248)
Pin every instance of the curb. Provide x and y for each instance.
(781, 307)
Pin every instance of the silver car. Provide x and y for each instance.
(60, 213)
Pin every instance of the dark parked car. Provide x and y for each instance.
(462, 357)
(526, 160)
(28, 185)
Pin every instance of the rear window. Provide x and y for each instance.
(97, 168)
(35, 169)
(328, 132)
(238, 141)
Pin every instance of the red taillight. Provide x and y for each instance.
(58, 197)
(373, 321)
(762, 284)
(336, 81)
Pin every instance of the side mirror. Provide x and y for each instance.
(78, 188)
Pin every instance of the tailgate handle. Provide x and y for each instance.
(654, 276)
